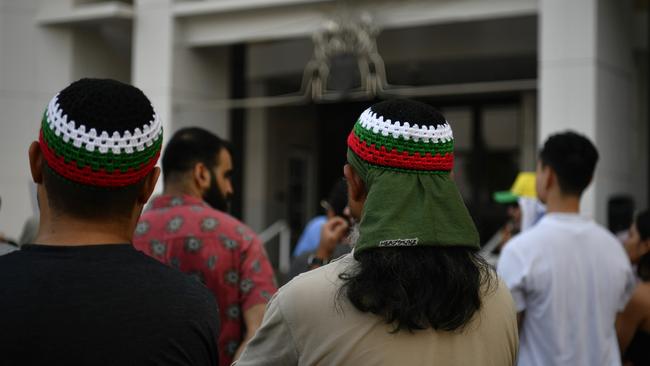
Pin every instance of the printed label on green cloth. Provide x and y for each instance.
(399, 242)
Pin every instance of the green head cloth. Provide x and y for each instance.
(403, 152)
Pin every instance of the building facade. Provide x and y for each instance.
(270, 76)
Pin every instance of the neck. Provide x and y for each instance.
(559, 203)
(67, 231)
(175, 189)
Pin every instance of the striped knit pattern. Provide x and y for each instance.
(402, 145)
(91, 157)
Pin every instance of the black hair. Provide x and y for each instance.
(642, 223)
(620, 212)
(338, 197)
(88, 202)
(105, 105)
(189, 146)
(411, 111)
(573, 158)
(419, 287)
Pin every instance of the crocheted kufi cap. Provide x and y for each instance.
(404, 151)
(101, 132)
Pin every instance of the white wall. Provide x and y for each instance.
(34, 64)
(587, 82)
(590, 79)
(103, 52)
(199, 76)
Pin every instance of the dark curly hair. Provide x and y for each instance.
(419, 287)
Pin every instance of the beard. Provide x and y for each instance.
(215, 198)
(353, 235)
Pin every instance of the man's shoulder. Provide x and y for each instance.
(316, 222)
(602, 234)
(232, 221)
(176, 286)
(524, 241)
(211, 220)
(143, 273)
(12, 258)
(318, 283)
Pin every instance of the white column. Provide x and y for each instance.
(34, 64)
(586, 84)
(255, 187)
(153, 42)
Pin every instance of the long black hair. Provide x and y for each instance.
(419, 287)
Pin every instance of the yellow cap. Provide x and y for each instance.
(524, 186)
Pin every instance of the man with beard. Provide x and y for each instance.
(187, 227)
(414, 291)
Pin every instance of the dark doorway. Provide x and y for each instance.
(335, 121)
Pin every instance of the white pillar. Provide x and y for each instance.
(35, 63)
(255, 186)
(587, 85)
(153, 42)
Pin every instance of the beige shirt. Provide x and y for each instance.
(304, 324)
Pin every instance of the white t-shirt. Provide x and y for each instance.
(570, 277)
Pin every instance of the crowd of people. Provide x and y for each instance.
(393, 274)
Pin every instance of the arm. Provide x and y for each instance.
(520, 320)
(253, 320)
(332, 233)
(273, 344)
(513, 271)
(630, 319)
(256, 286)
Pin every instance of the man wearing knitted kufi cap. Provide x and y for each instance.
(414, 291)
(81, 294)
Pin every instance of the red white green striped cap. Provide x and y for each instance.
(402, 145)
(97, 154)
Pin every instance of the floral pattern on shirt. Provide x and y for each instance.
(215, 249)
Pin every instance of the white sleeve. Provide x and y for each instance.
(630, 285)
(273, 344)
(513, 271)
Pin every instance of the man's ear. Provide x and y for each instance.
(357, 188)
(36, 162)
(149, 185)
(201, 176)
(550, 178)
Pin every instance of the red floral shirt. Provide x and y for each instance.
(218, 250)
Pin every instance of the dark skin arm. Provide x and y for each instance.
(636, 316)
(253, 320)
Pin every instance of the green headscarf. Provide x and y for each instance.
(411, 198)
